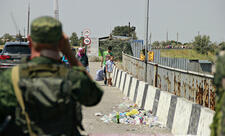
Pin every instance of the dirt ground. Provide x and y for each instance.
(112, 97)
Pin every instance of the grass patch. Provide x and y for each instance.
(186, 53)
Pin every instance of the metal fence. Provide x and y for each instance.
(193, 86)
(137, 46)
(180, 63)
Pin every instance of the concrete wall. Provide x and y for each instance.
(181, 116)
(195, 87)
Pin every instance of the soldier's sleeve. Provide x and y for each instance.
(85, 90)
(7, 97)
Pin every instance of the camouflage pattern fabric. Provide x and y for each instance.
(50, 97)
(46, 30)
(218, 125)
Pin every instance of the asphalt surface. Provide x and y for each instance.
(112, 97)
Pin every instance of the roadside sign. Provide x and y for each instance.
(142, 57)
(87, 41)
(151, 56)
(93, 48)
(86, 32)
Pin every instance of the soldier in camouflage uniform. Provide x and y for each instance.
(218, 125)
(42, 96)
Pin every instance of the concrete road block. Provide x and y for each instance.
(123, 85)
(122, 81)
(141, 92)
(115, 76)
(127, 86)
(118, 78)
(150, 98)
(205, 120)
(131, 93)
(163, 107)
(182, 116)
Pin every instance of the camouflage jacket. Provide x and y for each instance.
(48, 117)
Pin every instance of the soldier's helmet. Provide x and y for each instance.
(46, 30)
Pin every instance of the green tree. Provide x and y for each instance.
(163, 43)
(202, 44)
(1, 41)
(155, 44)
(8, 37)
(118, 46)
(124, 31)
(222, 45)
(74, 39)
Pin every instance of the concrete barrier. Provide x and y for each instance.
(163, 107)
(206, 118)
(122, 81)
(181, 116)
(133, 89)
(127, 85)
(150, 97)
(118, 78)
(115, 76)
(141, 93)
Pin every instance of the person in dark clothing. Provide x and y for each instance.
(82, 57)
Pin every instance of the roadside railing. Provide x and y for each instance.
(194, 86)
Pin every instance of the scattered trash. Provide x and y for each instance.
(131, 114)
(98, 114)
(117, 117)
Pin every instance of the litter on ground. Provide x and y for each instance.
(131, 114)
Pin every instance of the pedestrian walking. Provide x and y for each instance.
(83, 58)
(105, 56)
(109, 70)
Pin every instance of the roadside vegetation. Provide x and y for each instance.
(201, 48)
(187, 54)
(120, 44)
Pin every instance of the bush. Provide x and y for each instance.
(118, 46)
(202, 44)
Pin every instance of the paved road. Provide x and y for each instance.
(112, 97)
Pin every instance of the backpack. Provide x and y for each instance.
(43, 92)
(100, 75)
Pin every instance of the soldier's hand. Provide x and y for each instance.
(65, 48)
(64, 45)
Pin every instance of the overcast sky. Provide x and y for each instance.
(187, 17)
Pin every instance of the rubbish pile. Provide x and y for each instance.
(130, 114)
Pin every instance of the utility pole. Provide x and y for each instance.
(167, 36)
(28, 19)
(129, 29)
(146, 38)
(177, 37)
(150, 40)
(14, 22)
(24, 31)
(56, 9)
